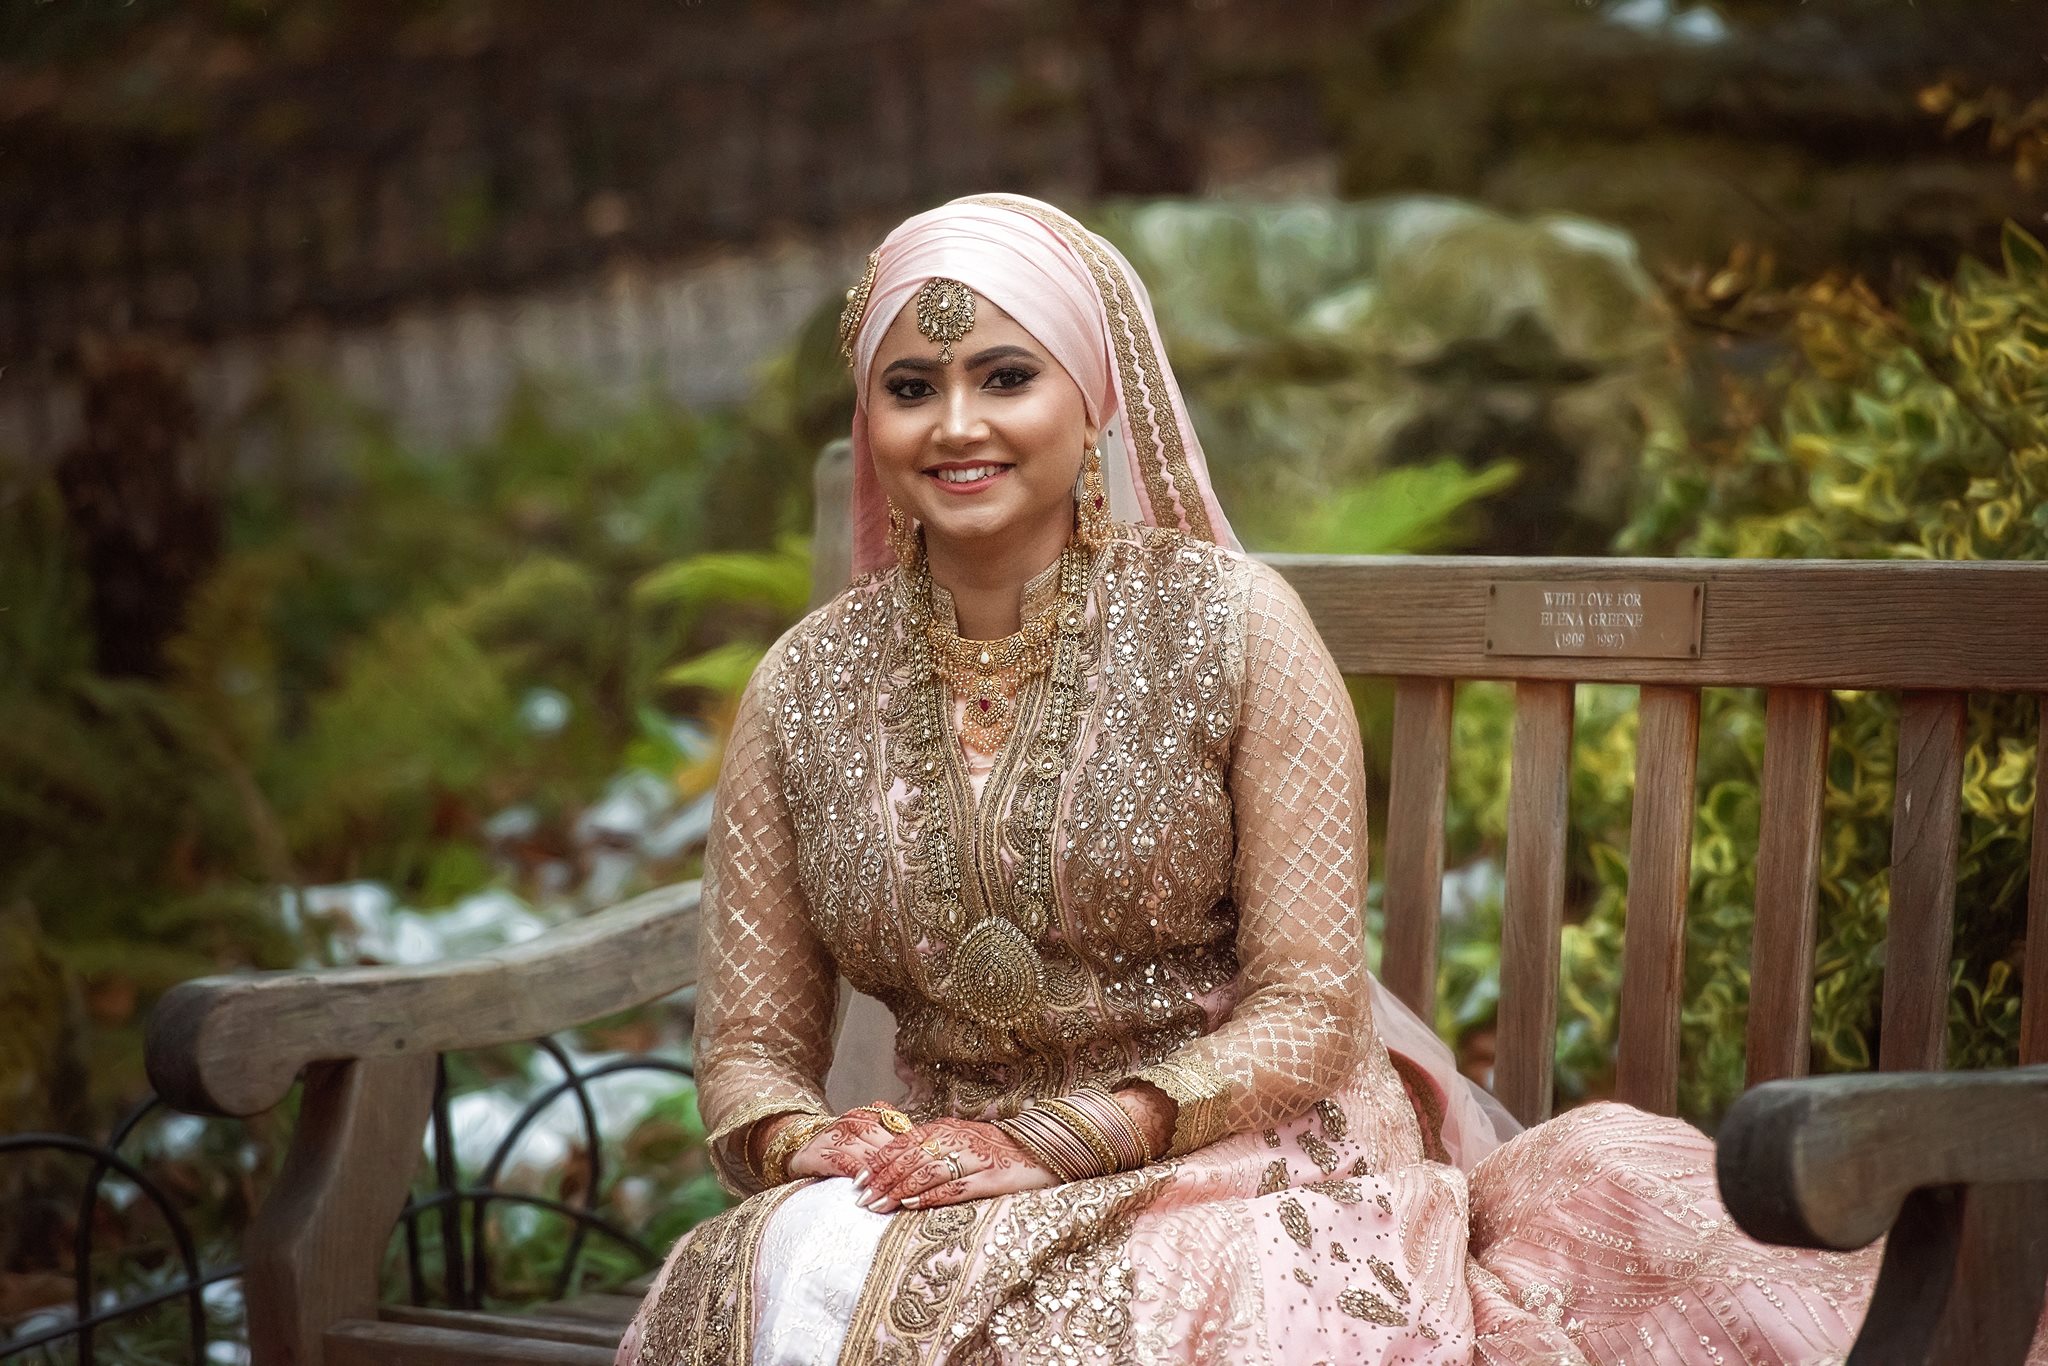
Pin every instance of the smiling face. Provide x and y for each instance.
(983, 449)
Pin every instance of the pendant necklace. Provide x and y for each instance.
(996, 975)
(988, 674)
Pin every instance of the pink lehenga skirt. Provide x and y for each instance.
(1360, 1232)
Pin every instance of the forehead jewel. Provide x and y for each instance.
(945, 314)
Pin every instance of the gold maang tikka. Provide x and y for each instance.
(945, 314)
(944, 311)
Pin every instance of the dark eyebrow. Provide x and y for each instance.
(996, 353)
(1008, 351)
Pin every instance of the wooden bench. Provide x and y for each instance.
(1956, 1166)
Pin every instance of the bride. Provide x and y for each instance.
(1071, 785)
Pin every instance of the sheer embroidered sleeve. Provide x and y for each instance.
(1297, 787)
(767, 987)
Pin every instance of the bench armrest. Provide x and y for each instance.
(1953, 1167)
(1826, 1162)
(233, 1045)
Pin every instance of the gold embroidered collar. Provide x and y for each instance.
(1040, 592)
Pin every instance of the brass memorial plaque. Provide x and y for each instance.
(1595, 618)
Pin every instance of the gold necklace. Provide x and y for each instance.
(995, 974)
(988, 674)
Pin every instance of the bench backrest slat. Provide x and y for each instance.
(1932, 632)
(1414, 865)
(1532, 912)
(1659, 878)
(2034, 988)
(1884, 625)
(1920, 932)
(1787, 883)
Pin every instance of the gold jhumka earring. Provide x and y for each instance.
(1091, 518)
(903, 538)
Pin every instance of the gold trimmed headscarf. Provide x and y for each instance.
(1080, 299)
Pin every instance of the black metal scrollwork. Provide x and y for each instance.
(465, 1287)
(86, 1321)
(466, 1252)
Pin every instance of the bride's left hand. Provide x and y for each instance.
(912, 1171)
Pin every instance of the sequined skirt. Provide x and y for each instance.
(1597, 1237)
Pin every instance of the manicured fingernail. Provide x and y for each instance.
(860, 1182)
(910, 1203)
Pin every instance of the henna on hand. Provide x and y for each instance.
(906, 1171)
(1017, 1175)
(844, 1148)
(950, 1192)
(990, 1147)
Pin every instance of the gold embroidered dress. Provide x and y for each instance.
(1161, 877)
(1182, 842)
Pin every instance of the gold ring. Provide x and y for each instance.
(933, 1150)
(888, 1116)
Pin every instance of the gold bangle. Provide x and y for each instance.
(1116, 1124)
(1021, 1134)
(1084, 1128)
(786, 1144)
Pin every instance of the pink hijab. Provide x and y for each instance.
(1073, 292)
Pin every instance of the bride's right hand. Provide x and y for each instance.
(949, 1161)
(845, 1148)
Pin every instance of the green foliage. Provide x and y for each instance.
(103, 828)
(778, 582)
(723, 669)
(775, 584)
(399, 644)
(1411, 510)
(1920, 432)
(1917, 432)
(1321, 344)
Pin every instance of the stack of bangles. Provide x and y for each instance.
(1080, 1135)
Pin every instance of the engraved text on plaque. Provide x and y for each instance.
(1595, 618)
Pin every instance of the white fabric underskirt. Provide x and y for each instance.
(814, 1259)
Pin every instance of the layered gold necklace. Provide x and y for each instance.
(988, 675)
(996, 975)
